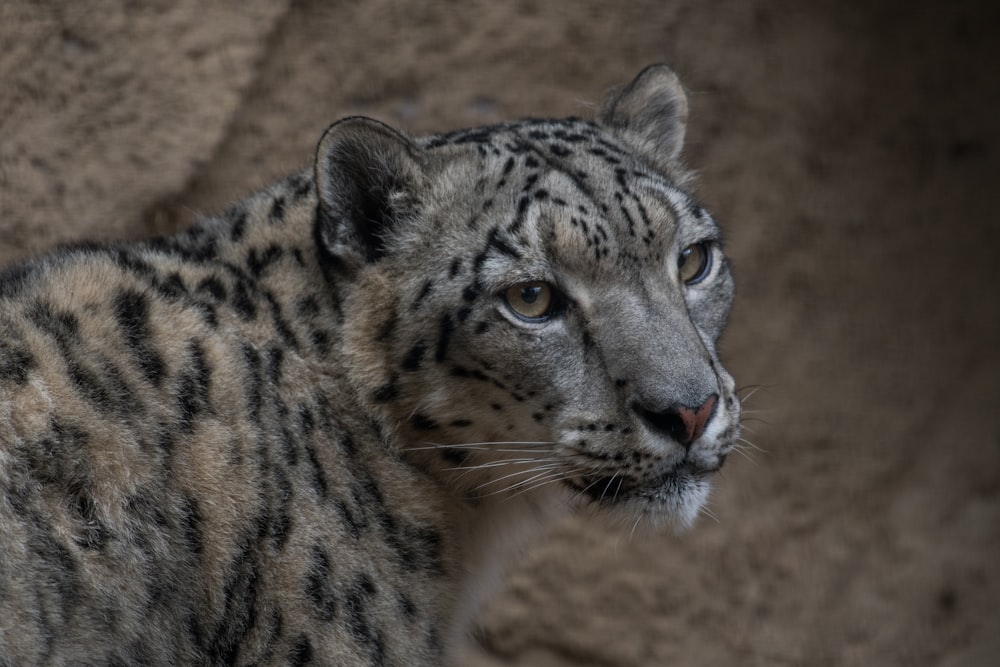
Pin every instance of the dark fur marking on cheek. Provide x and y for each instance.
(456, 266)
(411, 362)
(387, 329)
(470, 292)
(388, 391)
(446, 329)
(454, 456)
(423, 422)
(406, 605)
(424, 291)
(474, 373)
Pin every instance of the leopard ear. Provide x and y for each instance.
(367, 177)
(650, 113)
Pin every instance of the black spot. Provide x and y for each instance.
(192, 387)
(423, 422)
(385, 332)
(406, 605)
(301, 652)
(317, 478)
(254, 381)
(456, 266)
(515, 226)
(277, 213)
(446, 329)
(319, 588)
(239, 227)
(190, 518)
(462, 422)
(454, 456)
(275, 359)
(172, 287)
(242, 302)
(356, 600)
(411, 361)
(132, 314)
(213, 287)
(387, 391)
(470, 292)
(257, 262)
(15, 363)
(14, 279)
(475, 374)
(280, 324)
(424, 291)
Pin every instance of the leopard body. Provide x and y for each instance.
(316, 428)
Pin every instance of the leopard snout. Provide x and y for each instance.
(682, 423)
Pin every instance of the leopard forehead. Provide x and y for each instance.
(547, 194)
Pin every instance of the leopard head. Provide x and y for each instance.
(534, 307)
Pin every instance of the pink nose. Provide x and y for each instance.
(694, 420)
(680, 422)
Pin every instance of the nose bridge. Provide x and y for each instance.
(661, 356)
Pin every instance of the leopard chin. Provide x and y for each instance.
(674, 498)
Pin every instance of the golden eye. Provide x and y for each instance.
(694, 263)
(530, 300)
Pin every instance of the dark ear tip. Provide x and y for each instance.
(368, 175)
(359, 131)
(652, 110)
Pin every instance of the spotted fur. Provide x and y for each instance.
(315, 428)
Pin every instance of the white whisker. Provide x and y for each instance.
(549, 466)
(504, 462)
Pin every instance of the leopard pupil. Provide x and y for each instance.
(530, 294)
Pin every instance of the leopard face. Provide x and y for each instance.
(545, 300)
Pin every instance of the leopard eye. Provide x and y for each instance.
(694, 263)
(531, 300)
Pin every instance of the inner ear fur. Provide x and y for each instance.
(650, 114)
(367, 177)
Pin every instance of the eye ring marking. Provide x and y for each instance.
(531, 301)
(694, 263)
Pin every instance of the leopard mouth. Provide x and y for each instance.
(603, 488)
